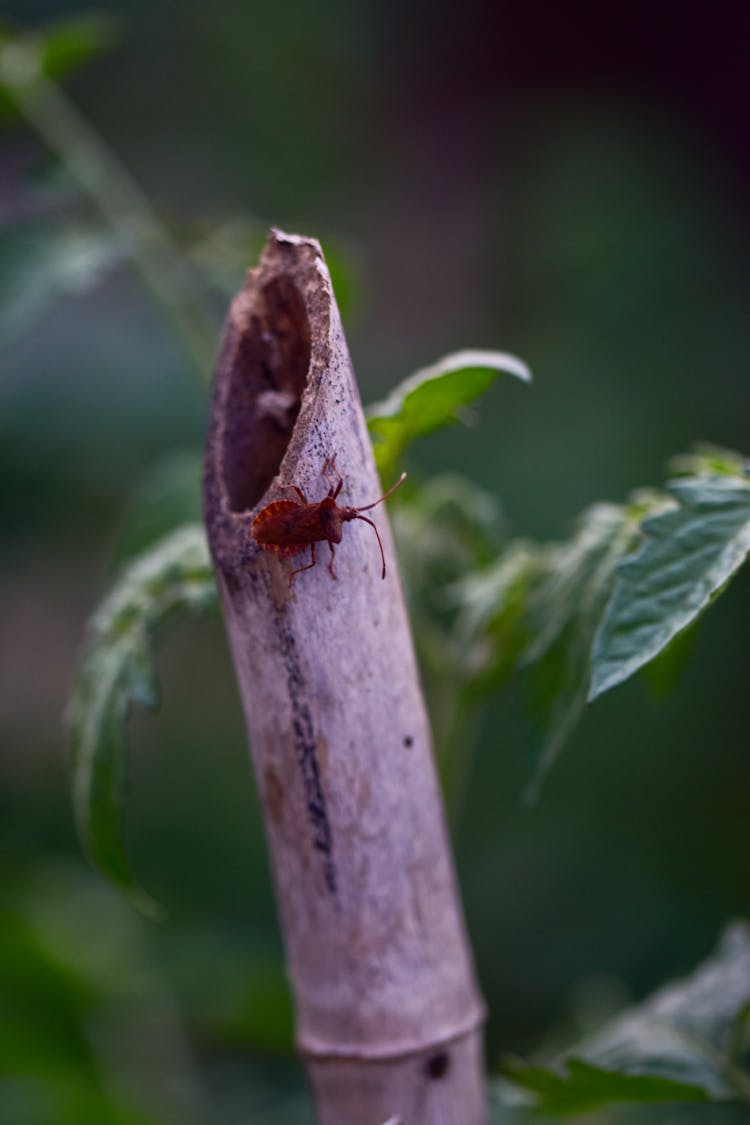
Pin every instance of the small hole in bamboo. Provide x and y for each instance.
(438, 1064)
(266, 385)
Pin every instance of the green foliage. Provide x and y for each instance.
(571, 620)
(168, 495)
(53, 50)
(41, 262)
(686, 1043)
(536, 611)
(78, 994)
(488, 610)
(662, 674)
(233, 988)
(434, 397)
(444, 528)
(583, 1087)
(527, 611)
(117, 672)
(690, 551)
(557, 619)
(708, 460)
(564, 607)
(533, 615)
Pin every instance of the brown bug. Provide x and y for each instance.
(287, 528)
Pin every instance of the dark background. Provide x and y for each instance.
(569, 184)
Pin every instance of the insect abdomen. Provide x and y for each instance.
(286, 528)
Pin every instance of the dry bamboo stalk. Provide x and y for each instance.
(388, 1013)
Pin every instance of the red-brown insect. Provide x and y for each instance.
(288, 528)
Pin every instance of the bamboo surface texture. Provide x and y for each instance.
(388, 1014)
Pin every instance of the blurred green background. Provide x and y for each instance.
(572, 187)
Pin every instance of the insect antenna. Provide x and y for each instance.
(377, 535)
(366, 507)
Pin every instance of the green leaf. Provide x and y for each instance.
(434, 397)
(77, 979)
(662, 674)
(563, 612)
(344, 268)
(42, 262)
(681, 1044)
(66, 44)
(444, 527)
(118, 671)
(534, 612)
(691, 549)
(585, 1087)
(168, 495)
(493, 621)
(709, 460)
(52, 50)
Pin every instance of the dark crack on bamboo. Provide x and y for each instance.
(307, 756)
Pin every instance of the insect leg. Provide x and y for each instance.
(331, 571)
(340, 485)
(309, 566)
(294, 488)
(324, 473)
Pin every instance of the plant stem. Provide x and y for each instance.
(118, 198)
(388, 1013)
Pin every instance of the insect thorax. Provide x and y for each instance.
(330, 520)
